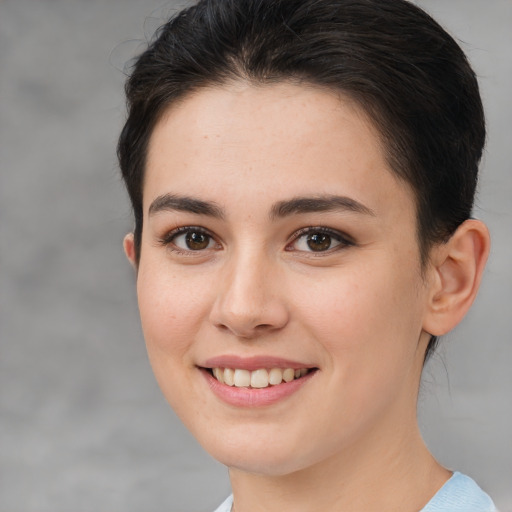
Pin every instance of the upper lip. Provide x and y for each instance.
(252, 363)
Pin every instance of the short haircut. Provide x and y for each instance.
(399, 65)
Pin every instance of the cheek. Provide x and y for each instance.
(368, 326)
(171, 309)
(364, 318)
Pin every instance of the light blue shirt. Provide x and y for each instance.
(459, 494)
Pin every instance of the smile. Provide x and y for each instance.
(259, 378)
(256, 381)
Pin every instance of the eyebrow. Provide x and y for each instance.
(173, 202)
(319, 204)
(296, 205)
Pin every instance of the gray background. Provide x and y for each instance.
(83, 425)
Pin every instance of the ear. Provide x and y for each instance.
(457, 267)
(129, 249)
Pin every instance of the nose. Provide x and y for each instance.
(251, 299)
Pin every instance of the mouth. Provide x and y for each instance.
(257, 379)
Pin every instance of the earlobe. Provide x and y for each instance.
(129, 249)
(457, 268)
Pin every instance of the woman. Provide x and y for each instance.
(302, 175)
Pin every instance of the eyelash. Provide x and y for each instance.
(170, 237)
(343, 240)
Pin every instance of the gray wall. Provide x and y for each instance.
(83, 425)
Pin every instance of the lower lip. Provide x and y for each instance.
(254, 397)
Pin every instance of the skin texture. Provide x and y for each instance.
(359, 312)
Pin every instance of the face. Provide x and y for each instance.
(279, 284)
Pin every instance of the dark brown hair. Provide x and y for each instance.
(405, 71)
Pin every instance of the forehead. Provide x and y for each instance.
(265, 140)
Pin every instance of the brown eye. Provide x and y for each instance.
(191, 239)
(319, 241)
(196, 241)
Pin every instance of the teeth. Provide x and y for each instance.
(229, 376)
(261, 378)
(218, 374)
(242, 378)
(275, 376)
(288, 375)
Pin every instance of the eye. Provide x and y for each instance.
(190, 239)
(318, 240)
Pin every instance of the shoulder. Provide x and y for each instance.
(226, 505)
(460, 494)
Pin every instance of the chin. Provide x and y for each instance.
(269, 455)
(261, 464)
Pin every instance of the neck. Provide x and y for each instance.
(374, 474)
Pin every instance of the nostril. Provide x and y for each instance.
(247, 319)
(263, 327)
(244, 331)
